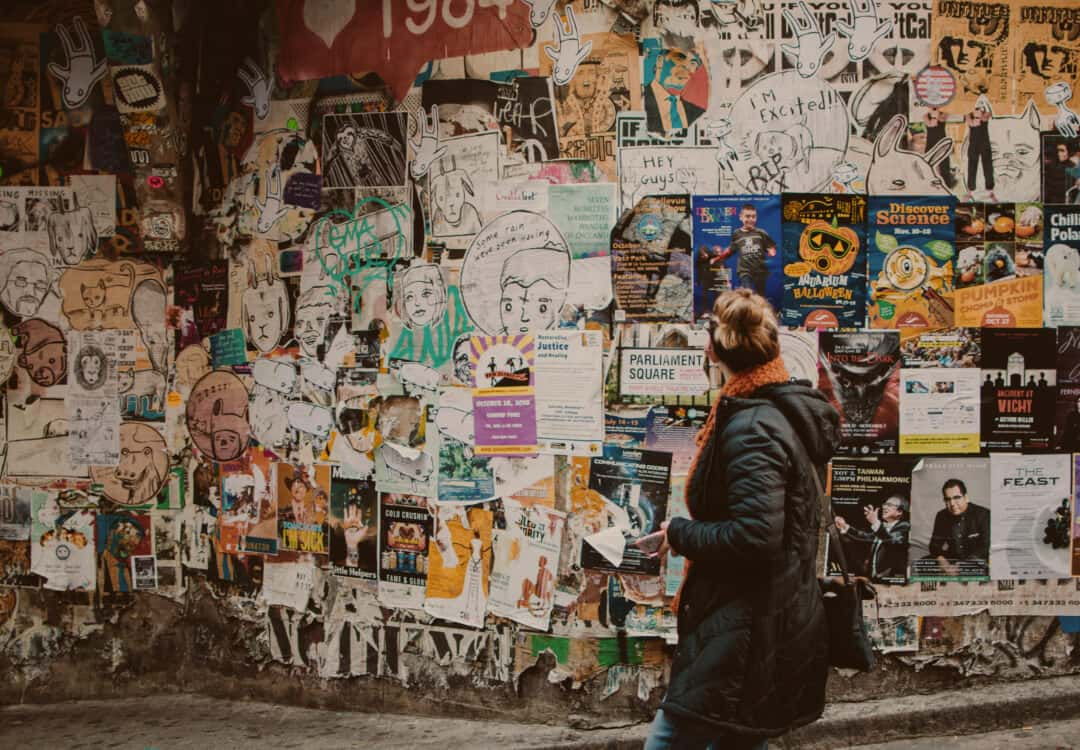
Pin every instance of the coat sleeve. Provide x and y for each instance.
(755, 472)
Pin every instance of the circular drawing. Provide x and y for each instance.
(217, 416)
(516, 274)
(789, 133)
(143, 467)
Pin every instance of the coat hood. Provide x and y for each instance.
(811, 415)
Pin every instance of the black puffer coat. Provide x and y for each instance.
(752, 654)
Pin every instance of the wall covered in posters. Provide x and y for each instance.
(385, 322)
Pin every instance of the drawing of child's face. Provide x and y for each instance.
(421, 303)
(535, 307)
(584, 82)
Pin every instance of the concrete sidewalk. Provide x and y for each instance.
(1050, 708)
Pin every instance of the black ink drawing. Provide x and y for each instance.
(897, 171)
(364, 149)
(83, 70)
(568, 52)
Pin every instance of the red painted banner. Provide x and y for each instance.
(393, 38)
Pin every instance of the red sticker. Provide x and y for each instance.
(155, 181)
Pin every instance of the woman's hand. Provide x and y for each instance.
(650, 545)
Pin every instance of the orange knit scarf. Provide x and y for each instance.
(740, 384)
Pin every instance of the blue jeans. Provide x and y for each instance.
(676, 733)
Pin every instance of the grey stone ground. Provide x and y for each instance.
(186, 722)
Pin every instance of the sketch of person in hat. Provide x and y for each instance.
(533, 286)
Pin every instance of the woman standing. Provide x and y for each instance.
(752, 657)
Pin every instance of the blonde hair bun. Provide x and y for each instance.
(745, 332)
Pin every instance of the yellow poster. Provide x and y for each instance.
(972, 41)
(1011, 303)
(1045, 55)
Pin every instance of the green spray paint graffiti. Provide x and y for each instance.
(348, 243)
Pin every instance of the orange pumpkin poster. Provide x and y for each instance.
(824, 239)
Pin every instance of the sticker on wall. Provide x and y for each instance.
(143, 468)
(137, 88)
(217, 416)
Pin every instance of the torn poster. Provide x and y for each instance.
(404, 530)
(288, 583)
(504, 400)
(96, 192)
(321, 39)
(527, 544)
(634, 485)
(460, 564)
(91, 400)
(248, 521)
(464, 476)
(651, 266)
(15, 512)
(569, 392)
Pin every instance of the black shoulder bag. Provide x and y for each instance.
(843, 596)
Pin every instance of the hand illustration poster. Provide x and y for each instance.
(950, 520)
(824, 252)
(354, 527)
(736, 245)
(1031, 512)
(527, 544)
(404, 530)
(860, 373)
(912, 247)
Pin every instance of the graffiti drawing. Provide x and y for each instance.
(272, 208)
(897, 171)
(454, 200)
(43, 352)
(26, 280)
(258, 86)
(91, 367)
(314, 310)
(539, 10)
(810, 45)
(420, 296)
(83, 70)
(516, 274)
(1065, 120)
(143, 467)
(72, 236)
(217, 416)
(667, 106)
(274, 384)
(568, 51)
(790, 133)
(1011, 146)
(364, 149)
(98, 293)
(426, 147)
(864, 31)
(265, 308)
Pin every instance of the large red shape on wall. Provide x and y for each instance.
(393, 38)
